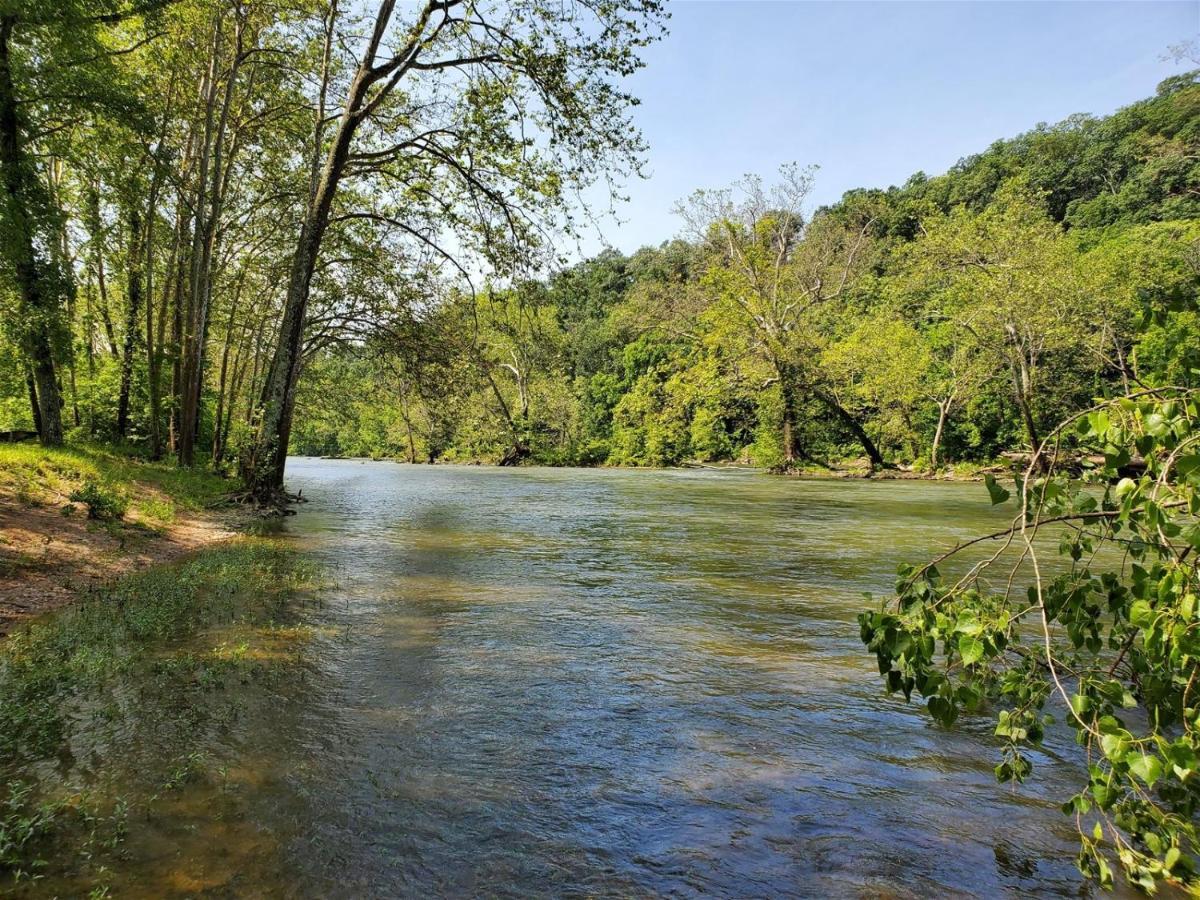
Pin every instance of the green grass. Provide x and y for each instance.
(154, 491)
(110, 632)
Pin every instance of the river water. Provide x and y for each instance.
(553, 682)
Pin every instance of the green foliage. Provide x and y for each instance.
(103, 501)
(1094, 623)
(957, 318)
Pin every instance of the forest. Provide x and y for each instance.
(202, 196)
(157, 203)
(947, 321)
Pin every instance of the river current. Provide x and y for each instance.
(556, 682)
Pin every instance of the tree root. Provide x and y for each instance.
(277, 503)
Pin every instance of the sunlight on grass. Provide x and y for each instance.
(155, 492)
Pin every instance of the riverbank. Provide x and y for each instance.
(74, 519)
(105, 710)
(843, 469)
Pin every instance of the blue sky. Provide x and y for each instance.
(873, 91)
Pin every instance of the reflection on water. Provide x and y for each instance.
(563, 682)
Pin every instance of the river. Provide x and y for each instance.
(563, 682)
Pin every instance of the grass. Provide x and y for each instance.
(153, 492)
(163, 631)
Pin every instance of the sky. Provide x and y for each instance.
(872, 92)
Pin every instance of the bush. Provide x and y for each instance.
(103, 502)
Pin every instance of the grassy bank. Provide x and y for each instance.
(144, 493)
(175, 644)
(72, 519)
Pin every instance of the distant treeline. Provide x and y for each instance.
(944, 321)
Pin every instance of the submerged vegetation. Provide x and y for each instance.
(74, 684)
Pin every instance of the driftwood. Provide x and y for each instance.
(1075, 463)
(277, 504)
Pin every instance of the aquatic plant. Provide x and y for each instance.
(73, 671)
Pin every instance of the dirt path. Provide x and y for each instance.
(48, 558)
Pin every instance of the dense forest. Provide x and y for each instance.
(226, 232)
(947, 320)
(201, 196)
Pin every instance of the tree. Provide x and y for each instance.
(504, 109)
(880, 371)
(960, 366)
(779, 273)
(1107, 636)
(1010, 275)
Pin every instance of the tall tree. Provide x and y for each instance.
(51, 52)
(1010, 274)
(475, 118)
(779, 272)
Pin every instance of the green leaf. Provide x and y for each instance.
(1171, 858)
(1080, 704)
(1148, 768)
(970, 648)
(1114, 745)
(1186, 465)
(1192, 536)
(1141, 614)
(995, 491)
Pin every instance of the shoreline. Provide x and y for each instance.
(53, 554)
(975, 475)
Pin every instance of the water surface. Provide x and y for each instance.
(631, 682)
(553, 682)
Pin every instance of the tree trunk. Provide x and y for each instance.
(34, 407)
(1022, 385)
(405, 414)
(134, 290)
(153, 368)
(176, 350)
(943, 415)
(191, 383)
(263, 469)
(95, 226)
(218, 449)
(854, 427)
(788, 397)
(37, 300)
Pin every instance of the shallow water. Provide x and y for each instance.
(550, 682)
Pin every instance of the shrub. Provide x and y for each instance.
(103, 502)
